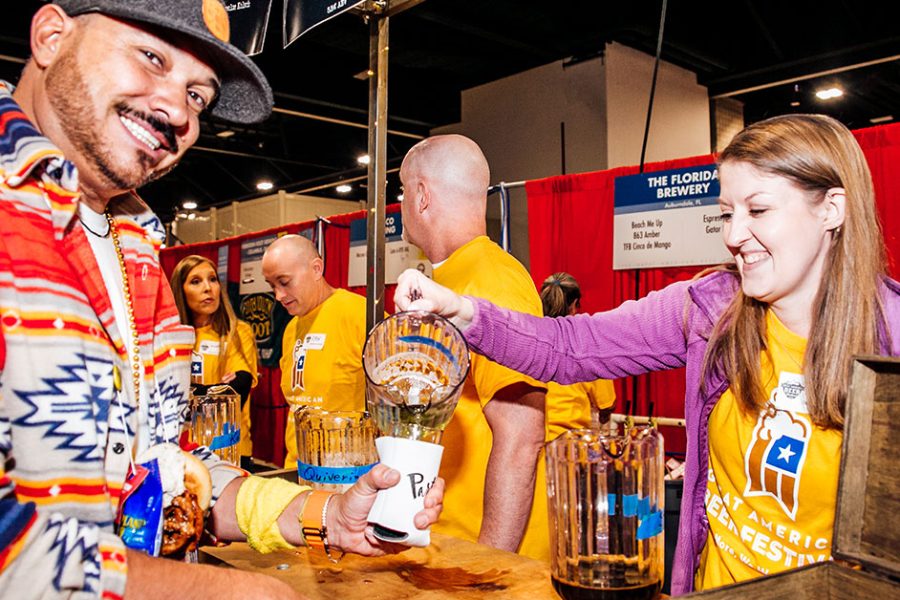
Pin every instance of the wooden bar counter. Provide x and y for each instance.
(448, 568)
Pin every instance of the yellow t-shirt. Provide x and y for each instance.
(481, 268)
(321, 360)
(569, 406)
(240, 355)
(772, 481)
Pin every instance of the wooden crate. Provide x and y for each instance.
(866, 542)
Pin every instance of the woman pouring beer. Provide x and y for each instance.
(767, 345)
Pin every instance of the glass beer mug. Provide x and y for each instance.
(605, 499)
(334, 448)
(216, 421)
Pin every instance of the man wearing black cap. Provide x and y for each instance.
(94, 359)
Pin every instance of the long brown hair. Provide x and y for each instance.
(223, 321)
(816, 153)
(558, 292)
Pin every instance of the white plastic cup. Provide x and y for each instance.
(394, 509)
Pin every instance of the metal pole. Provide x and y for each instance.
(505, 220)
(378, 67)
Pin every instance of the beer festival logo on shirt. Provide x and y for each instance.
(196, 365)
(299, 365)
(777, 451)
(311, 341)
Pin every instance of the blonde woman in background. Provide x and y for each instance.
(579, 404)
(225, 347)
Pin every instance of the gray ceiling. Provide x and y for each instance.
(440, 47)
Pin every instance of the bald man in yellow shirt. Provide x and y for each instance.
(321, 359)
(493, 442)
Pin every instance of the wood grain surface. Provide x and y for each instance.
(448, 568)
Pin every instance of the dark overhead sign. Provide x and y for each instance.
(302, 15)
(249, 20)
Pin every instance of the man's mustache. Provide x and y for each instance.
(167, 131)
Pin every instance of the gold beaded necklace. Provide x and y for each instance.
(129, 305)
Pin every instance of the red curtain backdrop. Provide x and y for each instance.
(570, 226)
(881, 146)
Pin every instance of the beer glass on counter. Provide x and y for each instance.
(605, 499)
(334, 448)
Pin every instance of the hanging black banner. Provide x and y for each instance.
(249, 20)
(302, 15)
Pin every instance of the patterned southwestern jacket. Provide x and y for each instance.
(62, 444)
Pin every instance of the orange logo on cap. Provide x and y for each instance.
(216, 18)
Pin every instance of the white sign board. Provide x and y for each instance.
(668, 219)
(399, 255)
(252, 280)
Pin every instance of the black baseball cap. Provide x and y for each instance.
(245, 95)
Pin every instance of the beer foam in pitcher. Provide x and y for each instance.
(411, 379)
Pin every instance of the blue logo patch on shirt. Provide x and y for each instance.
(785, 454)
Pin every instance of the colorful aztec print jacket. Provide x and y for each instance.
(63, 455)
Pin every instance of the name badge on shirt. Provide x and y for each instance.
(314, 341)
(209, 347)
(790, 395)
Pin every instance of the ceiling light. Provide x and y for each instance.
(192, 216)
(264, 186)
(400, 197)
(364, 159)
(829, 93)
(795, 103)
(343, 189)
(884, 119)
(189, 204)
(182, 215)
(225, 134)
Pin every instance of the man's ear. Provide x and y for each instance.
(48, 26)
(835, 205)
(318, 267)
(423, 196)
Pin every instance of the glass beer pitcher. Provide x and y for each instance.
(216, 421)
(606, 494)
(415, 363)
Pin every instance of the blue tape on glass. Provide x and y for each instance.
(650, 526)
(228, 438)
(335, 475)
(629, 505)
(644, 507)
(427, 341)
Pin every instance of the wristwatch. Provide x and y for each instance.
(312, 519)
(312, 523)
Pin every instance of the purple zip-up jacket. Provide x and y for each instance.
(668, 328)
